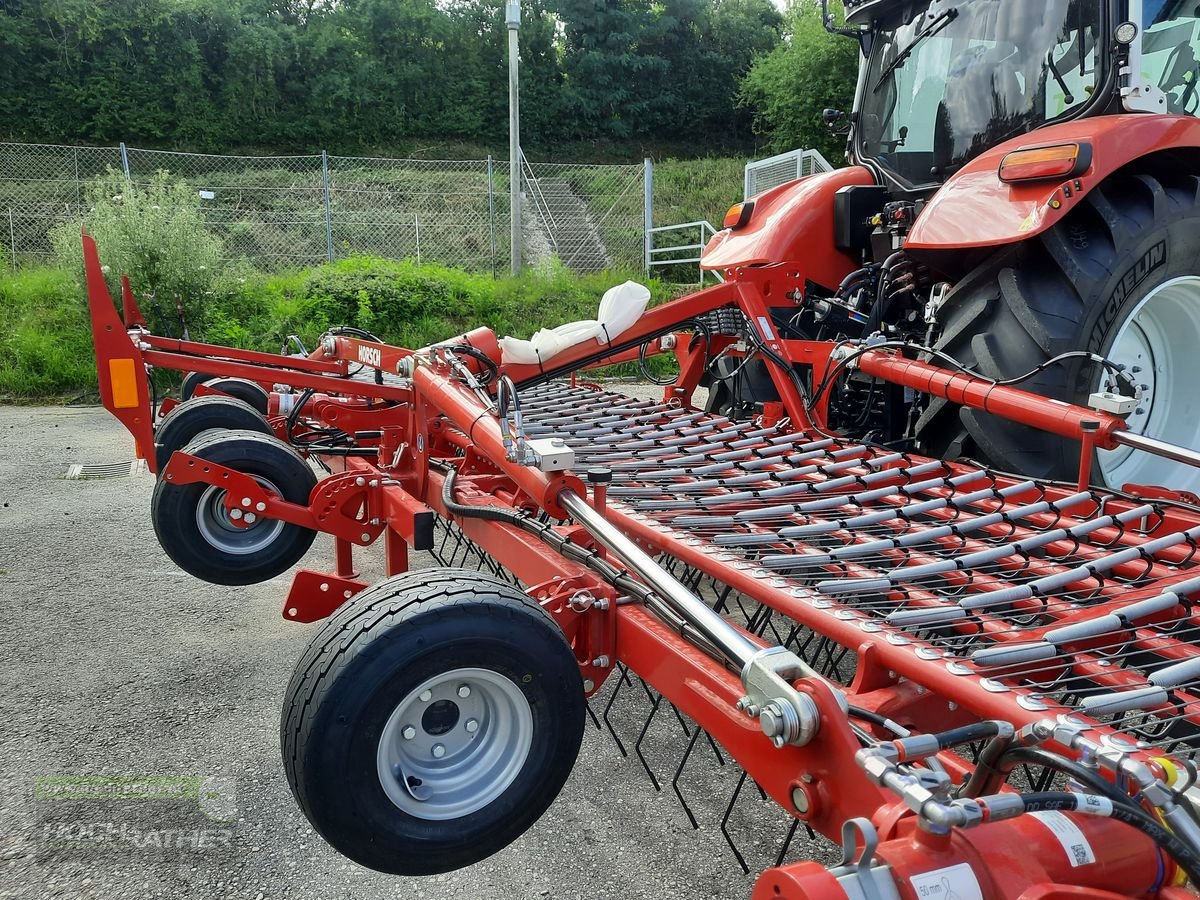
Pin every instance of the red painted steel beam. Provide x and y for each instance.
(1014, 404)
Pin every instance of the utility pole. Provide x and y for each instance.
(512, 18)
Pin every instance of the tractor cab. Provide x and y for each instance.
(945, 80)
(1021, 201)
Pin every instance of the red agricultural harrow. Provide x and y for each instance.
(979, 684)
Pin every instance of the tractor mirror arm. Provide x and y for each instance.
(827, 21)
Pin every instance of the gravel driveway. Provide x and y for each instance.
(139, 718)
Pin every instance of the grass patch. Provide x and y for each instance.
(46, 345)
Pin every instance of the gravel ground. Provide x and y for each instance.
(114, 663)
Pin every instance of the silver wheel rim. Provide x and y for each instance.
(218, 530)
(1159, 344)
(454, 744)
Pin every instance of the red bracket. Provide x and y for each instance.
(317, 595)
(585, 609)
(344, 505)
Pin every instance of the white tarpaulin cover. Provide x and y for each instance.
(620, 307)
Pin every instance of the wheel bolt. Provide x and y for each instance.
(251, 518)
(439, 750)
(261, 507)
(472, 726)
(245, 501)
(426, 696)
(464, 691)
(409, 732)
(235, 514)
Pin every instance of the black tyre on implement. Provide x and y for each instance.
(243, 389)
(190, 382)
(1119, 276)
(196, 417)
(431, 721)
(196, 530)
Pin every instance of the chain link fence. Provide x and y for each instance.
(287, 211)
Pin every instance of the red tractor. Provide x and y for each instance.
(1022, 198)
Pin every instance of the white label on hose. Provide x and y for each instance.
(764, 325)
(952, 883)
(1074, 844)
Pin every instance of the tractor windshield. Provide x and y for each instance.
(947, 79)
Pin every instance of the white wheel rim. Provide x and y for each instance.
(218, 530)
(454, 744)
(1159, 344)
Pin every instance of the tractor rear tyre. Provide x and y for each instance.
(431, 721)
(195, 529)
(1119, 276)
(242, 389)
(187, 421)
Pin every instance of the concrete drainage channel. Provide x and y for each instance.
(82, 472)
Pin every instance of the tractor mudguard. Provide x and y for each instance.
(792, 223)
(976, 209)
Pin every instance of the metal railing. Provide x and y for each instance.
(667, 255)
(764, 174)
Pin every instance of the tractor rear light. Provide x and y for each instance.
(122, 377)
(739, 214)
(1058, 161)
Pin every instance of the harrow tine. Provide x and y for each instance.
(637, 747)
(608, 709)
(679, 772)
(725, 824)
(592, 714)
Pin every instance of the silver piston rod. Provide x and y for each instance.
(1174, 452)
(785, 715)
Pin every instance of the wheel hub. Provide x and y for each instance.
(219, 531)
(454, 743)
(1157, 344)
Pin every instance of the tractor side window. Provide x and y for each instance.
(1070, 75)
(1170, 45)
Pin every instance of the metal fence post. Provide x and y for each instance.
(12, 238)
(125, 163)
(648, 211)
(491, 172)
(328, 207)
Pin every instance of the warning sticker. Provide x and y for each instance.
(952, 883)
(1074, 844)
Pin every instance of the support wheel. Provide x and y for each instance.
(195, 529)
(190, 381)
(187, 421)
(242, 389)
(1119, 276)
(431, 721)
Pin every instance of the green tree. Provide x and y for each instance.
(788, 88)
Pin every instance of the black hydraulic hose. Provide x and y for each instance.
(1091, 779)
(489, 513)
(1053, 801)
(967, 734)
(866, 715)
